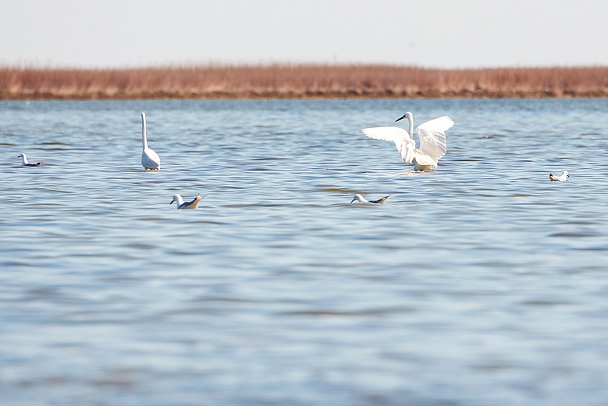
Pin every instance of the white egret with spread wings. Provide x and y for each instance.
(433, 143)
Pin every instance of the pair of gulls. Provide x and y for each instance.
(151, 161)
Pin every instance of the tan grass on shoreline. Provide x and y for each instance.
(283, 81)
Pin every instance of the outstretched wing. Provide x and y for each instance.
(404, 143)
(432, 137)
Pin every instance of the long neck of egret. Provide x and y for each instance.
(410, 118)
(144, 138)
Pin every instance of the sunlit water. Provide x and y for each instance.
(480, 284)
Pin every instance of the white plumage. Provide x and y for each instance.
(25, 162)
(362, 199)
(149, 158)
(433, 144)
(193, 204)
(562, 178)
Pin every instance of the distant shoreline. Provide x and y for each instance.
(300, 81)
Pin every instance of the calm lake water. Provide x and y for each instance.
(482, 283)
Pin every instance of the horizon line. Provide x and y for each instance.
(281, 64)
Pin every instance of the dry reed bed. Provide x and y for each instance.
(300, 81)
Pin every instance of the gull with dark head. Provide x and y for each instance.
(561, 178)
(24, 161)
(362, 199)
(432, 137)
(149, 159)
(186, 205)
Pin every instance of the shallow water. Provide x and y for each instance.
(479, 284)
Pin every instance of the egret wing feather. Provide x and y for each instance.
(404, 143)
(432, 137)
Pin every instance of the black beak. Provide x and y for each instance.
(172, 201)
(354, 198)
(400, 118)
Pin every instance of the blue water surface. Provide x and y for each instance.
(482, 283)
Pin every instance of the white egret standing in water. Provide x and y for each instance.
(432, 140)
(149, 158)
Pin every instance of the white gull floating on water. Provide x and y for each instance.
(187, 205)
(24, 161)
(562, 178)
(362, 199)
(432, 137)
(149, 158)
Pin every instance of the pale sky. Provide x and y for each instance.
(427, 33)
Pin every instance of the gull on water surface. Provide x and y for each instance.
(187, 205)
(362, 199)
(149, 158)
(24, 161)
(561, 178)
(432, 140)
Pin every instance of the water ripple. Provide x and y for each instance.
(483, 280)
